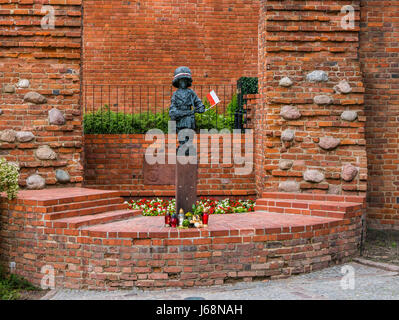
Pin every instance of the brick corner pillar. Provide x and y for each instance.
(40, 61)
(310, 119)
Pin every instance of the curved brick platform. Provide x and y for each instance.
(93, 242)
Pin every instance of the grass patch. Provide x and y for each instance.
(12, 284)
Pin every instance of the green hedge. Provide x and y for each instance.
(109, 122)
(249, 85)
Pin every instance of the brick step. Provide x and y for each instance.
(84, 204)
(84, 211)
(306, 212)
(95, 219)
(331, 209)
(307, 204)
(59, 196)
(313, 197)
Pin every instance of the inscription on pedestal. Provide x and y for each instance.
(159, 174)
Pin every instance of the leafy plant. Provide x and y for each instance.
(9, 175)
(249, 85)
(105, 121)
(10, 284)
(110, 122)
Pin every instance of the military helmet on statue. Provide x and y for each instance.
(182, 73)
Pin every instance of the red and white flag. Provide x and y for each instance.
(213, 98)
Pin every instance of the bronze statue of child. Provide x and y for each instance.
(185, 102)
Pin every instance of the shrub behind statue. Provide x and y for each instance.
(9, 175)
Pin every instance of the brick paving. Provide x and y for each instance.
(370, 284)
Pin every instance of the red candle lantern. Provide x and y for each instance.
(167, 219)
(173, 221)
(205, 217)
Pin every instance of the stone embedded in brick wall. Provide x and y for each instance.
(343, 87)
(34, 97)
(286, 164)
(56, 117)
(45, 153)
(349, 115)
(334, 189)
(1, 112)
(317, 76)
(36, 74)
(349, 172)
(62, 176)
(8, 88)
(25, 136)
(322, 99)
(289, 186)
(313, 176)
(35, 182)
(329, 143)
(290, 113)
(285, 82)
(23, 83)
(8, 135)
(287, 135)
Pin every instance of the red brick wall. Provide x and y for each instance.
(379, 55)
(140, 42)
(296, 38)
(50, 60)
(87, 259)
(115, 162)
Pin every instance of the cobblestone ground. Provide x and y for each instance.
(370, 284)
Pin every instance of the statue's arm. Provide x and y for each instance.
(198, 105)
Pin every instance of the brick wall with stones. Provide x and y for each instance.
(40, 117)
(115, 162)
(310, 120)
(379, 55)
(140, 42)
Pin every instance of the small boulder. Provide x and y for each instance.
(317, 76)
(343, 87)
(285, 82)
(313, 176)
(56, 117)
(322, 99)
(290, 113)
(349, 172)
(23, 83)
(25, 136)
(45, 153)
(34, 97)
(62, 176)
(349, 115)
(35, 182)
(8, 135)
(286, 164)
(8, 88)
(334, 189)
(289, 186)
(329, 143)
(287, 135)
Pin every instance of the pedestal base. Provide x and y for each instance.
(186, 186)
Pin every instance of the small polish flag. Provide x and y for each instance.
(213, 98)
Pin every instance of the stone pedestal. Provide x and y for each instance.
(186, 185)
